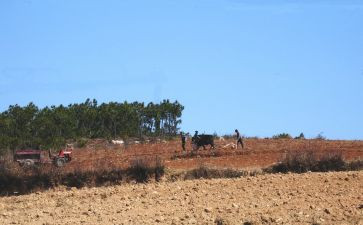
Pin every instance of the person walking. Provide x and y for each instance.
(182, 137)
(239, 138)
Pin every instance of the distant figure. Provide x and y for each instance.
(195, 134)
(239, 139)
(195, 137)
(182, 137)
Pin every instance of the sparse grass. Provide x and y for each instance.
(209, 173)
(18, 180)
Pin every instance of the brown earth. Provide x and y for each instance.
(311, 198)
(258, 153)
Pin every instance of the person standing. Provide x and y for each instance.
(239, 138)
(195, 140)
(182, 137)
(196, 134)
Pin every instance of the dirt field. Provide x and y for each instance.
(258, 153)
(312, 198)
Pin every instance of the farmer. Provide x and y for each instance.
(182, 137)
(195, 135)
(239, 138)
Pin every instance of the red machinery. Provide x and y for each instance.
(30, 157)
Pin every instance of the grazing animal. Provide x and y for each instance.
(117, 142)
(202, 140)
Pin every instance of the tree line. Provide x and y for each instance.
(51, 127)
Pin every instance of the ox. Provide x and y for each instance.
(202, 140)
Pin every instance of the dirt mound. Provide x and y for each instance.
(311, 198)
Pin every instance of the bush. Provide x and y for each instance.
(320, 136)
(298, 162)
(301, 136)
(282, 136)
(354, 165)
(304, 161)
(142, 169)
(159, 169)
(330, 162)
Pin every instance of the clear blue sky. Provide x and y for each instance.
(261, 66)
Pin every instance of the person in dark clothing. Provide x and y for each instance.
(182, 137)
(195, 139)
(196, 134)
(239, 139)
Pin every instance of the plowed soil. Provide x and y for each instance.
(311, 198)
(257, 153)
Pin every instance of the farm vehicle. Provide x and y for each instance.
(32, 157)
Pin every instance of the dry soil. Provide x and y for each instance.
(311, 198)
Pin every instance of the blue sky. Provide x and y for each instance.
(261, 66)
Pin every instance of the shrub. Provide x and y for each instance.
(354, 165)
(320, 136)
(139, 170)
(298, 162)
(282, 136)
(159, 168)
(330, 162)
(304, 161)
(142, 169)
(301, 136)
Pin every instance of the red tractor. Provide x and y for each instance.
(32, 157)
(64, 156)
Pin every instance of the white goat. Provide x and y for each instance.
(117, 142)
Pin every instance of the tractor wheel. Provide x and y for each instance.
(59, 162)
